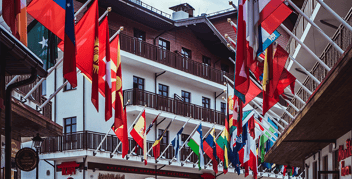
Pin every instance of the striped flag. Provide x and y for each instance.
(177, 142)
(223, 147)
(156, 145)
(196, 144)
(209, 145)
(139, 135)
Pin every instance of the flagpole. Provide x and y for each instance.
(53, 68)
(189, 136)
(129, 129)
(271, 117)
(201, 141)
(106, 135)
(255, 103)
(215, 140)
(267, 128)
(315, 25)
(170, 142)
(268, 132)
(157, 139)
(262, 108)
(326, 7)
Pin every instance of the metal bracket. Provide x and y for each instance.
(23, 100)
(38, 109)
(49, 163)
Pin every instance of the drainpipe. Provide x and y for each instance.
(8, 117)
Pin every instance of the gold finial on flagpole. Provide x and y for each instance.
(109, 9)
(226, 36)
(230, 3)
(121, 28)
(229, 20)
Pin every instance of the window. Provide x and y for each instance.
(163, 90)
(165, 139)
(186, 53)
(140, 35)
(68, 87)
(206, 60)
(164, 44)
(138, 83)
(70, 125)
(315, 170)
(224, 68)
(206, 102)
(325, 167)
(223, 108)
(186, 96)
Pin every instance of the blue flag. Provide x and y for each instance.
(176, 143)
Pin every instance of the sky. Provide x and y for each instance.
(200, 6)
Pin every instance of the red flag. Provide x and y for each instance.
(10, 10)
(49, 13)
(121, 133)
(273, 21)
(87, 41)
(120, 120)
(105, 68)
(242, 71)
(69, 62)
(253, 92)
(251, 127)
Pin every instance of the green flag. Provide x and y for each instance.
(43, 43)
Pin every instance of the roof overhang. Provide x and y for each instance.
(19, 59)
(325, 118)
(138, 13)
(206, 32)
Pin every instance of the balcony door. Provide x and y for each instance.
(164, 98)
(187, 56)
(206, 66)
(70, 135)
(164, 47)
(139, 42)
(165, 142)
(138, 88)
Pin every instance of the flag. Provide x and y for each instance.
(69, 64)
(209, 146)
(151, 124)
(176, 143)
(250, 154)
(223, 148)
(252, 30)
(241, 70)
(15, 15)
(274, 19)
(50, 13)
(120, 129)
(284, 170)
(156, 145)
(253, 92)
(240, 142)
(42, 43)
(138, 130)
(196, 144)
(88, 48)
(105, 68)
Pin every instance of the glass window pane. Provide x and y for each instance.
(164, 93)
(140, 81)
(68, 121)
(160, 87)
(140, 87)
(68, 129)
(73, 120)
(73, 128)
(165, 88)
(135, 80)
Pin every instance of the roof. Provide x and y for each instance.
(19, 59)
(183, 6)
(325, 118)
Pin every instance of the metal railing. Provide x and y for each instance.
(343, 38)
(220, 12)
(149, 7)
(89, 140)
(172, 105)
(36, 96)
(171, 59)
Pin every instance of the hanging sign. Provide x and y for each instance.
(343, 154)
(26, 159)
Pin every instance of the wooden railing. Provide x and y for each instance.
(36, 96)
(171, 59)
(343, 38)
(89, 140)
(175, 106)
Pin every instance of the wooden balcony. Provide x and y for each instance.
(172, 105)
(89, 140)
(171, 59)
(330, 56)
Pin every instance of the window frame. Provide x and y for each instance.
(138, 84)
(68, 87)
(183, 97)
(203, 102)
(223, 107)
(70, 125)
(207, 59)
(139, 32)
(188, 51)
(166, 42)
(162, 91)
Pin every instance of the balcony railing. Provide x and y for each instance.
(36, 97)
(175, 106)
(171, 59)
(139, 2)
(89, 140)
(342, 38)
(301, 24)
